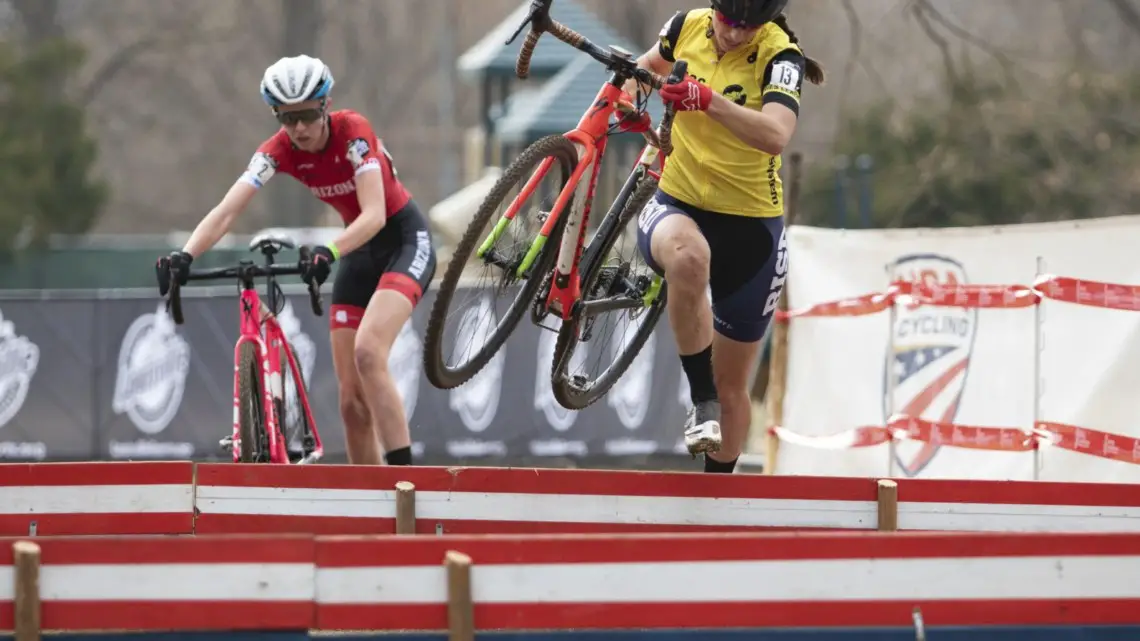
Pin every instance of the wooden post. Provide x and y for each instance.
(405, 508)
(778, 357)
(460, 606)
(888, 505)
(27, 590)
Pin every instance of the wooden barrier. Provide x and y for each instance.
(182, 498)
(405, 508)
(26, 588)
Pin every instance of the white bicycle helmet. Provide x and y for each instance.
(297, 79)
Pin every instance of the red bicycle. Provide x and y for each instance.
(554, 269)
(259, 383)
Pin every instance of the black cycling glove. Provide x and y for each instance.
(319, 266)
(174, 267)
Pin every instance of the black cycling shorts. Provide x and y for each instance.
(400, 258)
(749, 262)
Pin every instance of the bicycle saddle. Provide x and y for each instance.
(271, 242)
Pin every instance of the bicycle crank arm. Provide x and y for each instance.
(311, 458)
(587, 309)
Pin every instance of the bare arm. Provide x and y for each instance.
(373, 213)
(768, 130)
(220, 219)
(771, 128)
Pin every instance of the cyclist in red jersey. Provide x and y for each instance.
(386, 253)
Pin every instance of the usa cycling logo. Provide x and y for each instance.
(931, 354)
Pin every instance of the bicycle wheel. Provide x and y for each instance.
(503, 260)
(251, 408)
(636, 294)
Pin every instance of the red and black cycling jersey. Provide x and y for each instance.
(330, 174)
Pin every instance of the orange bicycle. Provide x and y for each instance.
(553, 270)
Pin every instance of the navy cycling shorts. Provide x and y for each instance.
(749, 263)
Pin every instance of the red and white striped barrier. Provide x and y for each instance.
(96, 498)
(557, 582)
(147, 583)
(740, 580)
(146, 498)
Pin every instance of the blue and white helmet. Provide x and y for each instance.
(292, 80)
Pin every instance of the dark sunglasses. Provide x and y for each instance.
(306, 116)
(738, 24)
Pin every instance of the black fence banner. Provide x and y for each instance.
(109, 376)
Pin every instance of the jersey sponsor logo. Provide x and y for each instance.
(154, 362)
(929, 356)
(261, 168)
(736, 94)
(654, 211)
(423, 254)
(333, 191)
(780, 275)
(358, 150)
(773, 181)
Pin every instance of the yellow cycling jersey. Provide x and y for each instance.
(710, 168)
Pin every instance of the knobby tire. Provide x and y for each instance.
(436, 369)
(251, 407)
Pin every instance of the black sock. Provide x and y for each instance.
(401, 456)
(713, 466)
(698, 369)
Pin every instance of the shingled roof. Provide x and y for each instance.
(491, 57)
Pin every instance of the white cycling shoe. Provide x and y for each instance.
(702, 429)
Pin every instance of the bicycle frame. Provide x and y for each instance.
(590, 137)
(254, 314)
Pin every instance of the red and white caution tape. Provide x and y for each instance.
(995, 439)
(1062, 289)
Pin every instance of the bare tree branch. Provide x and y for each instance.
(918, 10)
(964, 35)
(1129, 14)
(855, 28)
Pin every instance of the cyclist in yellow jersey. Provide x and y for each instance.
(716, 223)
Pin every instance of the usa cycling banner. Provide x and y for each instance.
(962, 361)
(113, 378)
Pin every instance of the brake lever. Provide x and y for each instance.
(537, 9)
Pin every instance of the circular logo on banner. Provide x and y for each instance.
(557, 416)
(19, 358)
(477, 400)
(406, 364)
(630, 395)
(154, 362)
